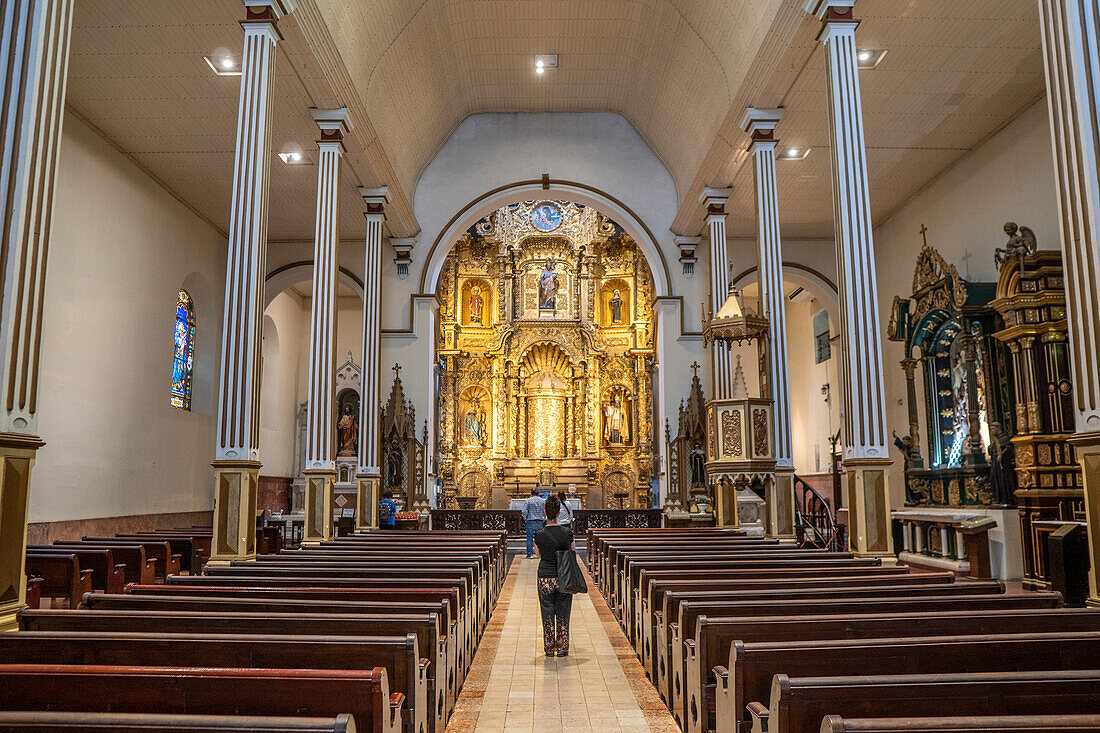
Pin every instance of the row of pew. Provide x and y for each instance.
(745, 635)
(374, 631)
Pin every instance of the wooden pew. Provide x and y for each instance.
(962, 724)
(61, 574)
(753, 665)
(363, 694)
(107, 576)
(424, 626)
(33, 599)
(444, 659)
(718, 638)
(37, 722)
(137, 567)
(168, 563)
(398, 655)
(801, 703)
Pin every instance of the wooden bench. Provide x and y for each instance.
(61, 575)
(424, 626)
(799, 704)
(363, 694)
(107, 576)
(959, 724)
(753, 665)
(398, 655)
(719, 638)
(36, 722)
(137, 567)
(168, 563)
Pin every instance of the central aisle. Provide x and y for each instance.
(514, 687)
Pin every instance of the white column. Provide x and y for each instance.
(866, 457)
(320, 468)
(237, 455)
(34, 43)
(1072, 58)
(721, 360)
(760, 124)
(369, 475)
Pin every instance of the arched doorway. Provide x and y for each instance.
(545, 350)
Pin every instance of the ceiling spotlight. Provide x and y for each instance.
(293, 157)
(869, 58)
(223, 64)
(794, 154)
(545, 61)
(539, 70)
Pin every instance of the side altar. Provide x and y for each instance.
(545, 360)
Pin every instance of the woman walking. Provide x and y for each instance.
(565, 516)
(555, 604)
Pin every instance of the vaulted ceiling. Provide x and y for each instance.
(681, 71)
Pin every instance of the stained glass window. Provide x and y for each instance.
(183, 360)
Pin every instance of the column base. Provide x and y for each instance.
(1086, 446)
(320, 495)
(869, 508)
(725, 507)
(235, 484)
(366, 505)
(17, 452)
(781, 505)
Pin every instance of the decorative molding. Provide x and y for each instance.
(688, 259)
(402, 254)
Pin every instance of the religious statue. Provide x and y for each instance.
(395, 467)
(1021, 242)
(348, 429)
(1002, 466)
(476, 304)
(616, 305)
(548, 287)
(615, 427)
(697, 459)
(474, 425)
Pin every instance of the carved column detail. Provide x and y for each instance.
(369, 473)
(909, 366)
(721, 361)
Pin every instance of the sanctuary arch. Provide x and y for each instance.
(545, 350)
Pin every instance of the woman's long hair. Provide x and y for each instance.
(553, 506)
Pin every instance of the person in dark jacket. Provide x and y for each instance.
(555, 605)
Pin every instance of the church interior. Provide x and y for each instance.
(773, 328)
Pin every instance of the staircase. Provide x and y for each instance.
(814, 519)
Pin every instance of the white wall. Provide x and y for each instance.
(1009, 178)
(120, 249)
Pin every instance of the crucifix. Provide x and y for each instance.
(694, 369)
(397, 371)
(924, 234)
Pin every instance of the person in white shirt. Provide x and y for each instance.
(534, 518)
(565, 516)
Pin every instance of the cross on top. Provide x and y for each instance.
(694, 369)
(924, 234)
(397, 370)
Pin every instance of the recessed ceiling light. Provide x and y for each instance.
(223, 64)
(869, 58)
(794, 154)
(545, 62)
(293, 157)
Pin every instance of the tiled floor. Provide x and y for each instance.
(514, 687)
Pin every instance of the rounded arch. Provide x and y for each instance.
(208, 314)
(293, 273)
(819, 285)
(579, 193)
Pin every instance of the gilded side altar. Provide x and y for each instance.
(546, 359)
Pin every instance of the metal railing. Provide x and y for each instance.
(816, 522)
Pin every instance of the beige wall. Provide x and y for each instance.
(1009, 178)
(120, 248)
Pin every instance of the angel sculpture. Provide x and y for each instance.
(1021, 242)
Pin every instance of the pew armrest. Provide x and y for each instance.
(725, 720)
(689, 650)
(759, 714)
(397, 701)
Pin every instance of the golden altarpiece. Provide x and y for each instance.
(546, 360)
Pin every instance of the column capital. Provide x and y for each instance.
(760, 123)
(333, 123)
(270, 10)
(830, 10)
(715, 200)
(375, 199)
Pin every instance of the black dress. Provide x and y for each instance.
(555, 605)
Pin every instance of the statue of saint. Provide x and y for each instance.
(548, 287)
(348, 430)
(616, 305)
(615, 428)
(395, 470)
(474, 425)
(476, 304)
(698, 466)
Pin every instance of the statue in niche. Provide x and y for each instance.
(698, 460)
(395, 467)
(474, 425)
(548, 287)
(1002, 465)
(615, 427)
(348, 430)
(476, 305)
(616, 306)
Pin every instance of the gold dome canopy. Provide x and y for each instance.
(735, 323)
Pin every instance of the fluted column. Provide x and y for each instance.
(237, 454)
(320, 470)
(866, 457)
(1072, 58)
(760, 124)
(721, 360)
(35, 43)
(369, 475)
